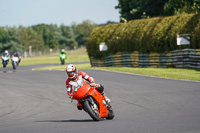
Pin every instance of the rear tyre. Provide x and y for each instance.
(94, 114)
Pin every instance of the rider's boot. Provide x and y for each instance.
(79, 107)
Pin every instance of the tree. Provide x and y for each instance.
(137, 9)
(181, 6)
(9, 40)
(49, 34)
(83, 31)
(3, 36)
(134, 9)
(69, 37)
(28, 37)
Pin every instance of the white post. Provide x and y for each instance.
(30, 50)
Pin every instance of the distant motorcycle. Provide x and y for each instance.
(15, 62)
(62, 58)
(5, 60)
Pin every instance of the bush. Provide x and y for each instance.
(145, 35)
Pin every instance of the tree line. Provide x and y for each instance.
(138, 9)
(44, 37)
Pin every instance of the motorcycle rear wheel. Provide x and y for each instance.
(95, 116)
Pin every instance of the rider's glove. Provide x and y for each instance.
(70, 96)
(92, 84)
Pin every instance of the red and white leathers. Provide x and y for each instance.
(84, 76)
(91, 80)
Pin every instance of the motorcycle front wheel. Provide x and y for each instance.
(110, 112)
(14, 66)
(62, 62)
(94, 114)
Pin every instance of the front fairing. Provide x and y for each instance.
(5, 58)
(15, 59)
(62, 56)
(80, 88)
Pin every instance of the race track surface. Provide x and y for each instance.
(36, 102)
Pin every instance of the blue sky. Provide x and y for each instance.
(33, 12)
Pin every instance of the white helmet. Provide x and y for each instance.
(71, 71)
(6, 51)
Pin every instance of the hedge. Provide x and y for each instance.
(153, 35)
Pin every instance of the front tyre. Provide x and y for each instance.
(14, 66)
(62, 62)
(110, 112)
(93, 113)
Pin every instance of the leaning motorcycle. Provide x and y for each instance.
(91, 101)
(15, 62)
(62, 58)
(5, 60)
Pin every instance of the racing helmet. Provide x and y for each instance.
(6, 51)
(16, 54)
(71, 71)
(62, 50)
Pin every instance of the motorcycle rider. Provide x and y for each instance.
(73, 76)
(17, 54)
(62, 53)
(6, 53)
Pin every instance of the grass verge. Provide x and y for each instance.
(78, 55)
(63, 67)
(186, 74)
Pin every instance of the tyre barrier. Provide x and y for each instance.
(185, 58)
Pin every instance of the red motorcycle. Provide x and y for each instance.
(91, 101)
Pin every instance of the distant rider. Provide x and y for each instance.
(73, 76)
(63, 55)
(6, 53)
(17, 54)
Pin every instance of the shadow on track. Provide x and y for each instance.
(66, 120)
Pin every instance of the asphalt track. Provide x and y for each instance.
(36, 102)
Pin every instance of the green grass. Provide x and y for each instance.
(187, 74)
(63, 67)
(78, 55)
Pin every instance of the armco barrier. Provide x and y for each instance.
(185, 58)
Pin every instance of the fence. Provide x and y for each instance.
(186, 58)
